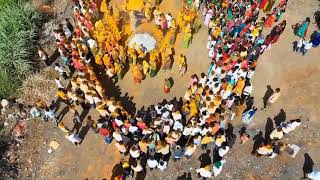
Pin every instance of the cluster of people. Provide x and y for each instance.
(303, 45)
(170, 129)
(235, 43)
(99, 39)
(272, 146)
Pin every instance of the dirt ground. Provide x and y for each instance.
(296, 75)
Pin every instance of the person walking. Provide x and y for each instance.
(272, 99)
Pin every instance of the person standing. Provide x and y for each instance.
(182, 64)
(273, 98)
(302, 31)
(168, 83)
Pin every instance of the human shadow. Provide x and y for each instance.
(76, 127)
(141, 175)
(84, 113)
(63, 112)
(267, 95)
(83, 132)
(249, 103)
(205, 159)
(230, 136)
(258, 140)
(53, 57)
(113, 90)
(215, 155)
(268, 129)
(281, 117)
(185, 176)
(307, 165)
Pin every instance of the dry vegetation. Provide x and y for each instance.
(39, 86)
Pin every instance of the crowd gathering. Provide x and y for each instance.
(303, 45)
(202, 117)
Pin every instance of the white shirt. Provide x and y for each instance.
(118, 122)
(117, 136)
(158, 109)
(195, 130)
(59, 83)
(300, 43)
(307, 45)
(152, 163)
(275, 134)
(138, 168)
(187, 131)
(204, 173)
(242, 73)
(165, 114)
(177, 125)
(290, 127)
(135, 154)
(197, 140)
(203, 81)
(247, 90)
(217, 171)
(162, 167)
(250, 74)
(73, 138)
(169, 107)
(92, 43)
(176, 116)
(133, 129)
(205, 130)
(223, 152)
(189, 150)
(59, 69)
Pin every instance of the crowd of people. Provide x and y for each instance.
(303, 45)
(170, 129)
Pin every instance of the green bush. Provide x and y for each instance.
(20, 24)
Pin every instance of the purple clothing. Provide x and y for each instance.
(208, 17)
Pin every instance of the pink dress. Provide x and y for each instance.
(208, 17)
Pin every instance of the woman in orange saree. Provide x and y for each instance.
(270, 20)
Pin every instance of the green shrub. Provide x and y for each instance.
(20, 24)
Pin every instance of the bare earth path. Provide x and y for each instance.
(297, 76)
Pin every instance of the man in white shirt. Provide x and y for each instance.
(162, 165)
(248, 89)
(306, 46)
(73, 137)
(204, 172)
(152, 163)
(59, 83)
(276, 134)
(272, 99)
(223, 150)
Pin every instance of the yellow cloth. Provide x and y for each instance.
(136, 5)
(181, 60)
(239, 87)
(207, 140)
(62, 95)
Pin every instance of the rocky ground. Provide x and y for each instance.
(296, 75)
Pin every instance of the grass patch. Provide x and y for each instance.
(20, 24)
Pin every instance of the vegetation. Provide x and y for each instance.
(20, 24)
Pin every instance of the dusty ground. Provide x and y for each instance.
(296, 75)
